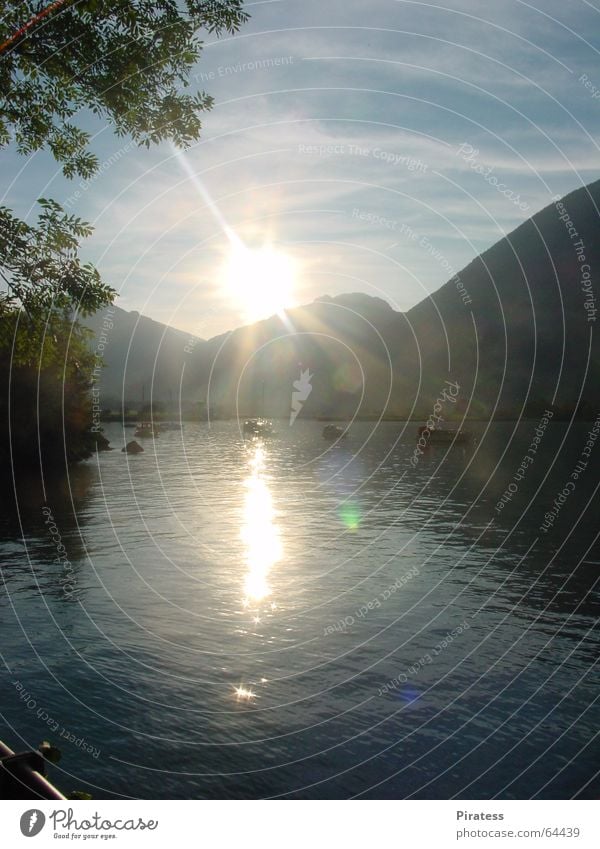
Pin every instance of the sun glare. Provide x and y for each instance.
(259, 533)
(260, 280)
(244, 693)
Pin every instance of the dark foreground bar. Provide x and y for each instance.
(22, 776)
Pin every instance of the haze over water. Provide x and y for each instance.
(297, 618)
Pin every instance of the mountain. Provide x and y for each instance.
(528, 335)
(511, 333)
(140, 357)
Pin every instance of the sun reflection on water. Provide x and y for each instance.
(244, 693)
(260, 533)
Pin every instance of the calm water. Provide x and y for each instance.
(239, 609)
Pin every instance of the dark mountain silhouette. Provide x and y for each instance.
(141, 357)
(514, 330)
(529, 339)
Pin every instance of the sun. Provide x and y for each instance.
(260, 280)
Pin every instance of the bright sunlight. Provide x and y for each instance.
(260, 280)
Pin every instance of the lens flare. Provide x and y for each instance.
(350, 515)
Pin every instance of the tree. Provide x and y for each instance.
(128, 61)
(48, 411)
(40, 266)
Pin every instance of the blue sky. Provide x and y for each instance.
(341, 135)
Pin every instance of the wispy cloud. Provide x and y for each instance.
(320, 108)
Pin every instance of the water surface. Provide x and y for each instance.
(295, 618)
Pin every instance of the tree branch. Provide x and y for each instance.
(31, 23)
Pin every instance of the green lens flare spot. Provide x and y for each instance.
(350, 515)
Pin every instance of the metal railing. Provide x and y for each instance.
(22, 776)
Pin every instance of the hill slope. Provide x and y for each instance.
(141, 357)
(529, 329)
(514, 330)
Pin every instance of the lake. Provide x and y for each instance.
(221, 618)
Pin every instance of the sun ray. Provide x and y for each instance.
(260, 280)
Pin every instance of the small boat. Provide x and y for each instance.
(258, 427)
(445, 436)
(146, 430)
(332, 432)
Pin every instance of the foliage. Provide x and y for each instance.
(45, 404)
(40, 266)
(126, 61)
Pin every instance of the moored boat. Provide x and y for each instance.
(258, 427)
(444, 436)
(146, 430)
(332, 432)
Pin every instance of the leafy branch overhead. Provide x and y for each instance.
(126, 61)
(40, 266)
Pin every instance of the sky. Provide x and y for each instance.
(372, 145)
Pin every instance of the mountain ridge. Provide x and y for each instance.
(511, 328)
